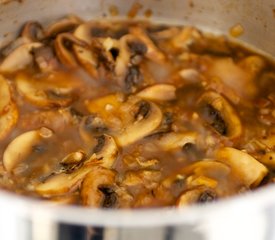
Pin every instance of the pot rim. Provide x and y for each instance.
(29, 208)
(25, 207)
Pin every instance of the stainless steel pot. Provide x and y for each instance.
(251, 216)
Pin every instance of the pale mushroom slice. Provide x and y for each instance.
(97, 187)
(5, 93)
(8, 120)
(96, 59)
(52, 90)
(22, 146)
(189, 39)
(68, 199)
(207, 168)
(152, 53)
(87, 59)
(159, 92)
(205, 173)
(10, 47)
(250, 171)
(72, 161)
(173, 140)
(199, 194)
(63, 183)
(124, 57)
(92, 29)
(85, 56)
(220, 115)
(130, 52)
(268, 159)
(144, 118)
(63, 47)
(33, 31)
(128, 121)
(105, 151)
(66, 24)
(19, 58)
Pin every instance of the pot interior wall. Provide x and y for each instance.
(257, 17)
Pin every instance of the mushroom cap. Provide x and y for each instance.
(220, 115)
(19, 149)
(19, 58)
(159, 92)
(55, 89)
(249, 170)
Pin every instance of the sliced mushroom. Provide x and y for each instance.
(133, 79)
(22, 146)
(144, 118)
(152, 53)
(33, 31)
(66, 24)
(94, 191)
(68, 199)
(128, 121)
(98, 53)
(130, 47)
(8, 120)
(191, 75)
(95, 58)
(72, 161)
(194, 181)
(5, 93)
(124, 56)
(48, 91)
(172, 140)
(208, 168)
(164, 33)
(268, 159)
(10, 47)
(87, 59)
(250, 171)
(204, 173)
(105, 151)
(63, 183)
(20, 58)
(159, 92)
(90, 127)
(92, 29)
(188, 38)
(197, 195)
(63, 47)
(220, 115)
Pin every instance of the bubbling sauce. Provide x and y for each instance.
(131, 114)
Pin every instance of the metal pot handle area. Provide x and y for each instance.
(257, 226)
(28, 231)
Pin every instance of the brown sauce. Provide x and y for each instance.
(133, 114)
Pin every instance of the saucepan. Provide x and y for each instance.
(249, 216)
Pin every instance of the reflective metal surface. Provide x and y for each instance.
(247, 217)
